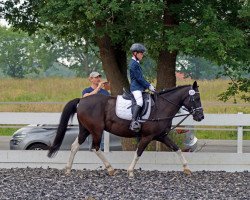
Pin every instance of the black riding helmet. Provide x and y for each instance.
(137, 47)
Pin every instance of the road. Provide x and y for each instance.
(220, 146)
(4, 142)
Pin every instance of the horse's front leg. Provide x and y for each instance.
(167, 141)
(108, 166)
(141, 147)
(132, 165)
(186, 169)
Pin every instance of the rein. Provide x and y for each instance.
(171, 117)
(186, 115)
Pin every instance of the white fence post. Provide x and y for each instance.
(106, 141)
(239, 137)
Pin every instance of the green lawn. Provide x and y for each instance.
(220, 135)
(7, 131)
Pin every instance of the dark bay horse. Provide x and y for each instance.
(96, 113)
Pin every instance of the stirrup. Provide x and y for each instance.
(135, 126)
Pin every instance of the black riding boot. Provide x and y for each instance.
(135, 125)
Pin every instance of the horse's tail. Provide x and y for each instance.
(68, 112)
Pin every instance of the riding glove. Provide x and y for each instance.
(151, 88)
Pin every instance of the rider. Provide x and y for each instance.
(138, 83)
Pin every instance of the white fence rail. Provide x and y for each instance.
(162, 161)
(220, 120)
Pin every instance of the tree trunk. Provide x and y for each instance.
(166, 70)
(166, 65)
(167, 60)
(114, 64)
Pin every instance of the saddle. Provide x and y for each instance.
(126, 102)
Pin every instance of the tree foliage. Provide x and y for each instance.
(22, 55)
(17, 53)
(215, 30)
(198, 68)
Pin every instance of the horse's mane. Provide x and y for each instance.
(172, 89)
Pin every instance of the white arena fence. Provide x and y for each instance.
(237, 122)
(162, 161)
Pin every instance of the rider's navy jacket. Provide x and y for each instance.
(137, 80)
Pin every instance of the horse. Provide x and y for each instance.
(96, 113)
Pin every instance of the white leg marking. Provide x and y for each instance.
(108, 166)
(74, 148)
(132, 165)
(184, 162)
(182, 158)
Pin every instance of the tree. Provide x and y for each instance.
(14, 53)
(214, 30)
(198, 68)
(22, 55)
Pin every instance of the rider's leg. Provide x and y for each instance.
(135, 125)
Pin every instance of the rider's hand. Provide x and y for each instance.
(151, 88)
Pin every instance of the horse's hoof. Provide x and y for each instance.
(131, 174)
(112, 172)
(187, 171)
(67, 172)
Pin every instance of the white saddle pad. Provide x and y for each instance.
(123, 109)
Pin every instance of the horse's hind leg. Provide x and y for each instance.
(141, 147)
(97, 150)
(167, 141)
(107, 164)
(83, 134)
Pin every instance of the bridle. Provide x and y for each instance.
(192, 111)
(193, 107)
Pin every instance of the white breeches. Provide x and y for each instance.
(138, 97)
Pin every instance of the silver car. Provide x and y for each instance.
(41, 136)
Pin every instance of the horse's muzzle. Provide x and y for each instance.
(198, 116)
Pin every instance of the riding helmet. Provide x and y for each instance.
(137, 47)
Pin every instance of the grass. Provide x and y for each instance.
(220, 135)
(7, 131)
(61, 90)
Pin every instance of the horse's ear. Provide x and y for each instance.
(195, 85)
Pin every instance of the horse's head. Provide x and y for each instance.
(193, 103)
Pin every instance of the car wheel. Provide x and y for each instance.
(38, 147)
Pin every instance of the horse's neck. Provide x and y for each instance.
(172, 101)
(178, 96)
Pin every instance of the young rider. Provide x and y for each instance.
(137, 83)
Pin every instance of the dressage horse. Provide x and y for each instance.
(96, 113)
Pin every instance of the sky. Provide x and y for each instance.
(3, 22)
